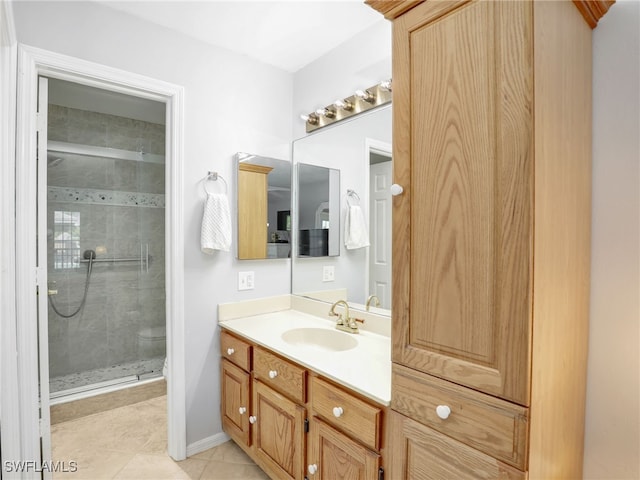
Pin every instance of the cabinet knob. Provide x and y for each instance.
(396, 189)
(253, 419)
(337, 412)
(230, 351)
(242, 410)
(273, 374)
(443, 411)
(312, 469)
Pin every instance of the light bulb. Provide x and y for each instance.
(325, 112)
(345, 105)
(365, 95)
(311, 119)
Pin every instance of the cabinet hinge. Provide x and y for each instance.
(381, 473)
(306, 425)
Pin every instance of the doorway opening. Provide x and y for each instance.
(105, 239)
(101, 196)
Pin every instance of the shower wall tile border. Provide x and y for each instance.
(115, 198)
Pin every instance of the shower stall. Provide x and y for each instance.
(105, 242)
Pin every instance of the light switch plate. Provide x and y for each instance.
(328, 273)
(246, 280)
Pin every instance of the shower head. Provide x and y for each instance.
(89, 255)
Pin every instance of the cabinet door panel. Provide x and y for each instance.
(462, 229)
(420, 453)
(337, 456)
(235, 395)
(278, 433)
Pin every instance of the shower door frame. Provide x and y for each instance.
(35, 62)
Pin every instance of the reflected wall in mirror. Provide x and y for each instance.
(318, 211)
(264, 207)
(360, 148)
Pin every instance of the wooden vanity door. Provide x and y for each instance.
(278, 432)
(235, 402)
(417, 452)
(333, 455)
(462, 248)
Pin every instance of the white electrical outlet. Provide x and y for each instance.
(245, 280)
(328, 273)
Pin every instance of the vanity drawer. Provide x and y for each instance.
(235, 350)
(284, 376)
(490, 425)
(349, 414)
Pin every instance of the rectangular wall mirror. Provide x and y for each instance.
(359, 150)
(318, 211)
(264, 207)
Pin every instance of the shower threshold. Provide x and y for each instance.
(71, 387)
(100, 388)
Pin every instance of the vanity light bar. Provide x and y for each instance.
(360, 101)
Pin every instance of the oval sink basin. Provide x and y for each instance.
(320, 338)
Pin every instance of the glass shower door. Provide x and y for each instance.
(105, 250)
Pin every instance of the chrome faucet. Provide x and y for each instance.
(344, 322)
(372, 297)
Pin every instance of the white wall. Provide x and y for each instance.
(358, 63)
(612, 438)
(226, 111)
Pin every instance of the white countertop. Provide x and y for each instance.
(366, 368)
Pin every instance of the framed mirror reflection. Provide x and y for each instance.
(264, 207)
(359, 150)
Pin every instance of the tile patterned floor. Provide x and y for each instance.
(130, 443)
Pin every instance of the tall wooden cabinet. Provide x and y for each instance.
(491, 241)
(252, 210)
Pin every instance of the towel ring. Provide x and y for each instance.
(214, 176)
(351, 194)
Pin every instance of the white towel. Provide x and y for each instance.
(216, 224)
(356, 234)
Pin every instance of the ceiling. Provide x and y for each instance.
(286, 34)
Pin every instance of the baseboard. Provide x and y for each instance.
(207, 443)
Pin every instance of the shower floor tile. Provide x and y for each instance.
(99, 375)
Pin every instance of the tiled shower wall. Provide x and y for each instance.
(121, 210)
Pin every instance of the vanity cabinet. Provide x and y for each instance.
(491, 249)
(278, 432)
(297, 424)
(338, 418)
(333, 455)
(236, 388)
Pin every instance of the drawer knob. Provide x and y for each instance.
(443, 411)
(242, 410)
(253, 419)
(337, 412)
(230, 351)
(312, 469)
(396, 189)
(273, 374)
